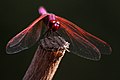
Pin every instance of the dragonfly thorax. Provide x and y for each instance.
(54, 25)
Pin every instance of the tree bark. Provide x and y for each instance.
(46, 60)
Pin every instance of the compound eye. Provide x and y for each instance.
(54, 25)
(51, 23)
(58, 22)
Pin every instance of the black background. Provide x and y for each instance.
(99, 17)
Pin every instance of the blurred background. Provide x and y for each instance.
(99, 17)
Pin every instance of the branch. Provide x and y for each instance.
(47, 58)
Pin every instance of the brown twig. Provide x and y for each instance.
(46, 59)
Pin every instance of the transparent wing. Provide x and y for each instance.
(83, 43)
(26, 38)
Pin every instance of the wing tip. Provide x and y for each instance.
(108, 50)
(8, 51)
(11, 50)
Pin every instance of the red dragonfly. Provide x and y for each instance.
(82, 43)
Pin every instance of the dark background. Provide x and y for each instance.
(99, 17)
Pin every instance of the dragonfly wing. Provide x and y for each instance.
(103, 47)
(83, 43)
(79, 45)
(25, 38)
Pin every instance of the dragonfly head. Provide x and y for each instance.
(54, 25)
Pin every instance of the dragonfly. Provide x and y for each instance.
(82, 43)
